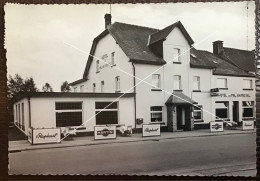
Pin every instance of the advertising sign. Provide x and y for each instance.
(216, 126)
(30, 135)
(104, 132)
(46, 135)
(151, 130)
(247, 125)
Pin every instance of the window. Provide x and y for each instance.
(16, 114)
(106, 113)
(248, 109)
(117, 81)
(177, 82)
(23, 116)
(156, 113)
(221, 110)
(82, 88)
(75, 89)
(94, 87)
(222, 83)
(102, 86)
(176, 55)
(97, 66)
(196, 83)
(19, 116)
(247, 84)
(112, 58)
(197, 113)
(156, 81)
(68, 114)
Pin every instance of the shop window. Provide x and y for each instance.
(97, 66)
(222, 83)
(221, 110)
(16, 114)
(156, 81)
(117, 82)
(177, 82)
(106, 113)
(19, 116)
(197, 113)
(248, 109)
(82, 88)
(94, 87)
(156, 113)
(196, 83)
(68, 114)
(102, 86)
(23, 128)
(247, 84)
(176, 55)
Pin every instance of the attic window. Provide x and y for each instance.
(194, 56)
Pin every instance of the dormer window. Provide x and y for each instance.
(176, 55)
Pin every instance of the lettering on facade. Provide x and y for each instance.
(215, 94)
(104, 63)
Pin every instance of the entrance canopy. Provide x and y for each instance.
(179, 98)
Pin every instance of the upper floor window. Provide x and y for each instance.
(75, 89)
(196, 83)
(94, 87)
(117, 82)
(156, 81)
(112, 58)
(176, 82)
(102, 86)
(247, 84)
(176, 55)
(97, 66)
(222, 83)
(82, 88)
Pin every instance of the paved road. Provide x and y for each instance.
(214, 155)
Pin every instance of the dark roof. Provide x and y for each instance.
(179, 98)
(241, 58)
(205, 59)
(78, 81)
(162, 34)
(22, 95)
(133, 40)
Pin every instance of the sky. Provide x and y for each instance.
(35, 34)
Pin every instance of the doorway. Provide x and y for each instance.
(235, 111)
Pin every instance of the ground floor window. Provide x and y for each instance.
(23, 127)
(197, 113)
(156, 113)
(248, 109)
(221, 110)
(68, 114)
(106, 113)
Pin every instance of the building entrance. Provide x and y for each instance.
(235, 111)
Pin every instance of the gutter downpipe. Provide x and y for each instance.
(134, 93)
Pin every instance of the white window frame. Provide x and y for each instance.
(22, 107)
(249, 106)
(178, 81)
(177, 55)
(156, 80)
(198, 108)
(196, 83)
(107, 110)
(117, 83)
(221, 86)
(250, 86)
(151, 112)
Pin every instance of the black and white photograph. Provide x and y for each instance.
(132, 89)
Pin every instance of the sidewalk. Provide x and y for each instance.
(23, 145)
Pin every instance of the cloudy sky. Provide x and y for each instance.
(35, 34)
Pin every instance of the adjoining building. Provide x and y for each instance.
(161, 77)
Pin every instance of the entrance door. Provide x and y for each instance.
(235, 111)
(180, 118)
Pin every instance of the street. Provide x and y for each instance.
(211, 155)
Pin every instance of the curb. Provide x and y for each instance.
(156, 138)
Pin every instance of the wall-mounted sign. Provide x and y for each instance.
(216, 126)
(46, 135)
(247, 125)
(151, 130)
(104, 63)
(104, 132)
(139, 121)
(228, 95)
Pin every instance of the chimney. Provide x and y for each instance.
(107, 20)
(218, 47)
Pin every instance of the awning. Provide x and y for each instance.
(179, 98)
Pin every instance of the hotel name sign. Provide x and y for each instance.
(104, 62)
(216, 94)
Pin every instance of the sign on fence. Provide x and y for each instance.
(216, 126)
(104, 132)
(247, 125)
(46, 135)
(151, 130)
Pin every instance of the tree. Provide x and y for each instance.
(65, 87)
(47, 87)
